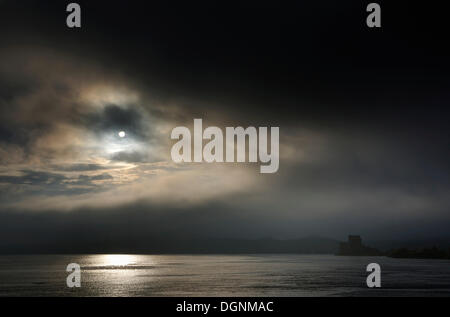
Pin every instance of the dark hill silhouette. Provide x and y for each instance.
(425, 253)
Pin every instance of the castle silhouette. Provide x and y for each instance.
(354, 246)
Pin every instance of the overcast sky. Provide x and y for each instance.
(362, 113)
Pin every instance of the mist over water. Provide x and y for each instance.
(220, 275)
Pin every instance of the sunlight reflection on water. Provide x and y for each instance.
(117, 259)
(219, 275)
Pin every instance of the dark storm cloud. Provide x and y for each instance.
(51, 179)
(315, 63)
(114, 118)
(11, 135)
(48, 184)
(130, 157)
(34, 178)
(84, 179)
(10, 131)
(79, 167)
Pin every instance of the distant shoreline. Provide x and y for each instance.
(205, 246)
(424, 253)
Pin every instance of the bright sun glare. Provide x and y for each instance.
(122, 134)
(119, 259)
